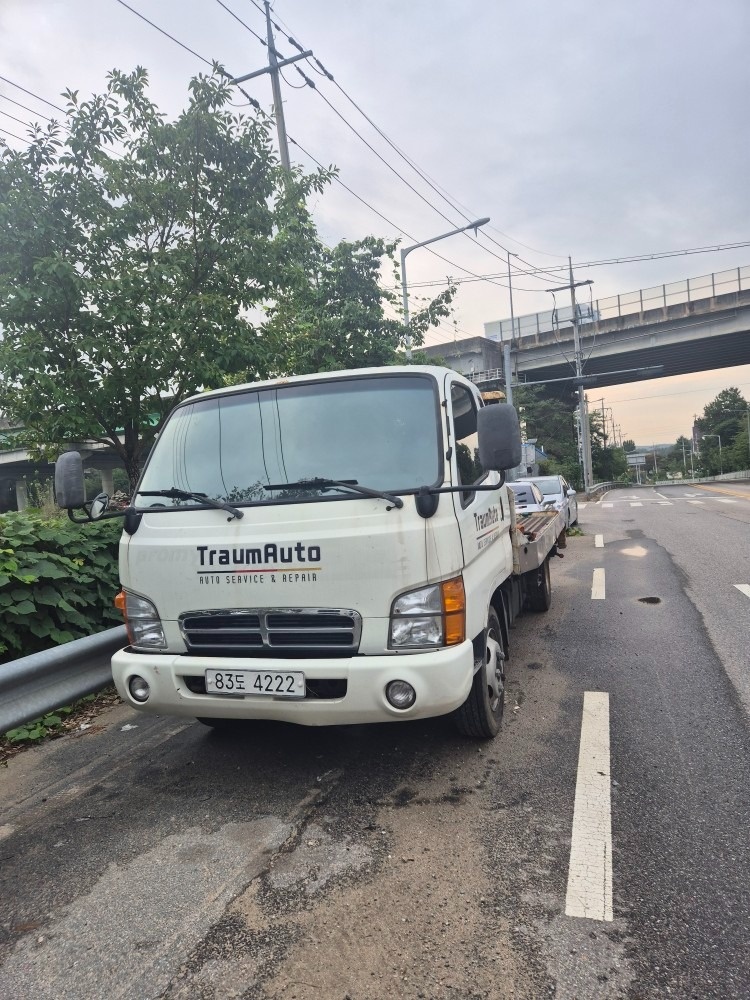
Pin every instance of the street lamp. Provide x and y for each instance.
(721, 466)
(407, 250)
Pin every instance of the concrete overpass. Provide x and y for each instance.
(681, 328)
(17, 466)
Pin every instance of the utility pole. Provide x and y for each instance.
(278, 106)
(274, 65)
(583, 416)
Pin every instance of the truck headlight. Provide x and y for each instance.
(430, 617)
(142, 620)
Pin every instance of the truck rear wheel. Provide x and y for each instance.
(482, 712)
(539, 588)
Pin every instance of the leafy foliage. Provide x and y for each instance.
(129, 281)
(37, 729)
(125, 281)
(57, 581)
(333, 316)
(726, 416)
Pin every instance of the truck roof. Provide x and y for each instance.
(436, 371)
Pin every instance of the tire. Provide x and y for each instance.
(539, 588)
(481, 714)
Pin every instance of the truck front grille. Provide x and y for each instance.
(282, 632)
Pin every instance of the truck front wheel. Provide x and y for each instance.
(482, 712)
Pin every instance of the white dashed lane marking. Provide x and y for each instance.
(665, 503)
(598, 541)
(590, 871)
(699, 502)
(597, 585)
(638, 504)
(723, 500)
(744, 588)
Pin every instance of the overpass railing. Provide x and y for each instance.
(704, 287)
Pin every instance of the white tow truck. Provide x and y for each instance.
(326, 549)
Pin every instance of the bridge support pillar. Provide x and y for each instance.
(108, 481)
(22, 497)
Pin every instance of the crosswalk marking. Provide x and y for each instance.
(665, 503)
(636, 504)
(744, 588)
(589, 891)
(696, 502)
(723, 500)
(607, 505)
(598, 541)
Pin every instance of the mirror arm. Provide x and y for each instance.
(105, 516)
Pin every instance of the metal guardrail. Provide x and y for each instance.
(42, 682)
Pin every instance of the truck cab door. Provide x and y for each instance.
(483, 516)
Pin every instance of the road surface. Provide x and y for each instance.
(598, 848)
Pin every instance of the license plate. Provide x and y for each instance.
(272, 683)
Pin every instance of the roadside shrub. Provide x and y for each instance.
(57, 581)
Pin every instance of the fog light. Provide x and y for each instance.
(139, 688)
(400, 694)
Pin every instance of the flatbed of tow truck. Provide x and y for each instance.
(535, 537)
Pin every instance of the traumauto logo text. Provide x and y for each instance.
(270, 554)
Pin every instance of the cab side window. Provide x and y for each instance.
(464, 413)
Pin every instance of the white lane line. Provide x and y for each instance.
(598, 541)
(590, 871)
(724, 500)
(607, 505)
(744, 588)
(697, 502)
(597, 585)
(636, 504)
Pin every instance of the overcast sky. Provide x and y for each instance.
(593, 129)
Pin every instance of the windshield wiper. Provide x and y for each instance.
(325, 484)
(176, 494)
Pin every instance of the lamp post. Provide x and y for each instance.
(721, 464)
(407, 250)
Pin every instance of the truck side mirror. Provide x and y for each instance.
(499, 437)
(70, 490)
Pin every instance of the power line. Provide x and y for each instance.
(25, 108)
(12, 135)
(440, 191)
(220, 69)
(617, 260)
(402, 231)
(165, 33)
(32, 94)
(683, 392)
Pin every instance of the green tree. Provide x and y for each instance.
(125, 279)
(608, 463)
(628, 445)
(725, 416)
(130, 280)
(332, 316)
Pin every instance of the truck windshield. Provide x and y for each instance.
(380, 432)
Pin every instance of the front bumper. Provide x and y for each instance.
(441, 678)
